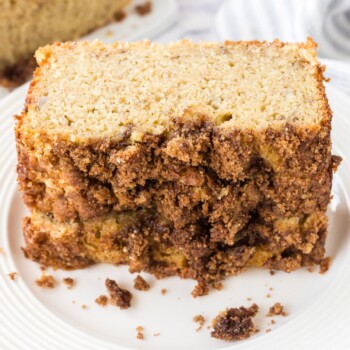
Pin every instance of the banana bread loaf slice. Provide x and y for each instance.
(223, 147)
(27, 24)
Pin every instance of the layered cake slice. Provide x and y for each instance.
(197, 160)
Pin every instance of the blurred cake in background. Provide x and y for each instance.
(27, 24)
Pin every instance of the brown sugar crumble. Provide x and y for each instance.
(325, 264)
(139, 331)
(46, 281)
(164, 291)
(200, 320)
(102, 300)
(141, 284)
(200, 289)
(119, 16)
(218, 286)
(118, 296)
(272, 272)
(144, 9)
(13, 275)
(277, 310)
(69, 282)
(235, 323)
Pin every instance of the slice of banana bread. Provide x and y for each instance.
(192, 159)
(27, 24)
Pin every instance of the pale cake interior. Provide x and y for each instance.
(92, 90)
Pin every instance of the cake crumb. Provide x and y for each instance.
(119, 16)
(325, 264)
(46, 281)
(84, 306)
(69, 282)
(272, 272)
(271, 289)
(163, 291)
(139, 331)
(144, 9)
(268, 295)
(268, 330)
(218, 286)
(235, 323)
(156, 334)
(141, 284)
(102, 300)
(249, 299)
(200, 289)
(13, 275)
(118, 296)
(200, 320)
(273, 321)
(277, 310)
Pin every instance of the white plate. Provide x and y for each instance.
(134, 27)
(34, 318)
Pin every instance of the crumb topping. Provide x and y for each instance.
(46, 281)
(144, 9)
(325, 264)
(139, 331)
(118, 296)
(69, 282)
(13, 275)
(235, 323)
(277, 310)
(200, 320)
(141, 284)
(102, 300)
(200, 289)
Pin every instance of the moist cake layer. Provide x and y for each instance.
(147, 242)
(88, 90)
(212, 149)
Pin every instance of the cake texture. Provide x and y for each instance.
(197, 160)
(27, 24)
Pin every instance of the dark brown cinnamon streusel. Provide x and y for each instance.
(235, 323)
(118, 296)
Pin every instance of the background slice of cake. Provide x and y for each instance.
(27, 24)
(192, 159)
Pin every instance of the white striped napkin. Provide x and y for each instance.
(326, 21)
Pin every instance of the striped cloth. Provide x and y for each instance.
(326, 21)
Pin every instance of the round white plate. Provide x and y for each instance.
(36, 318)
(134, 27)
